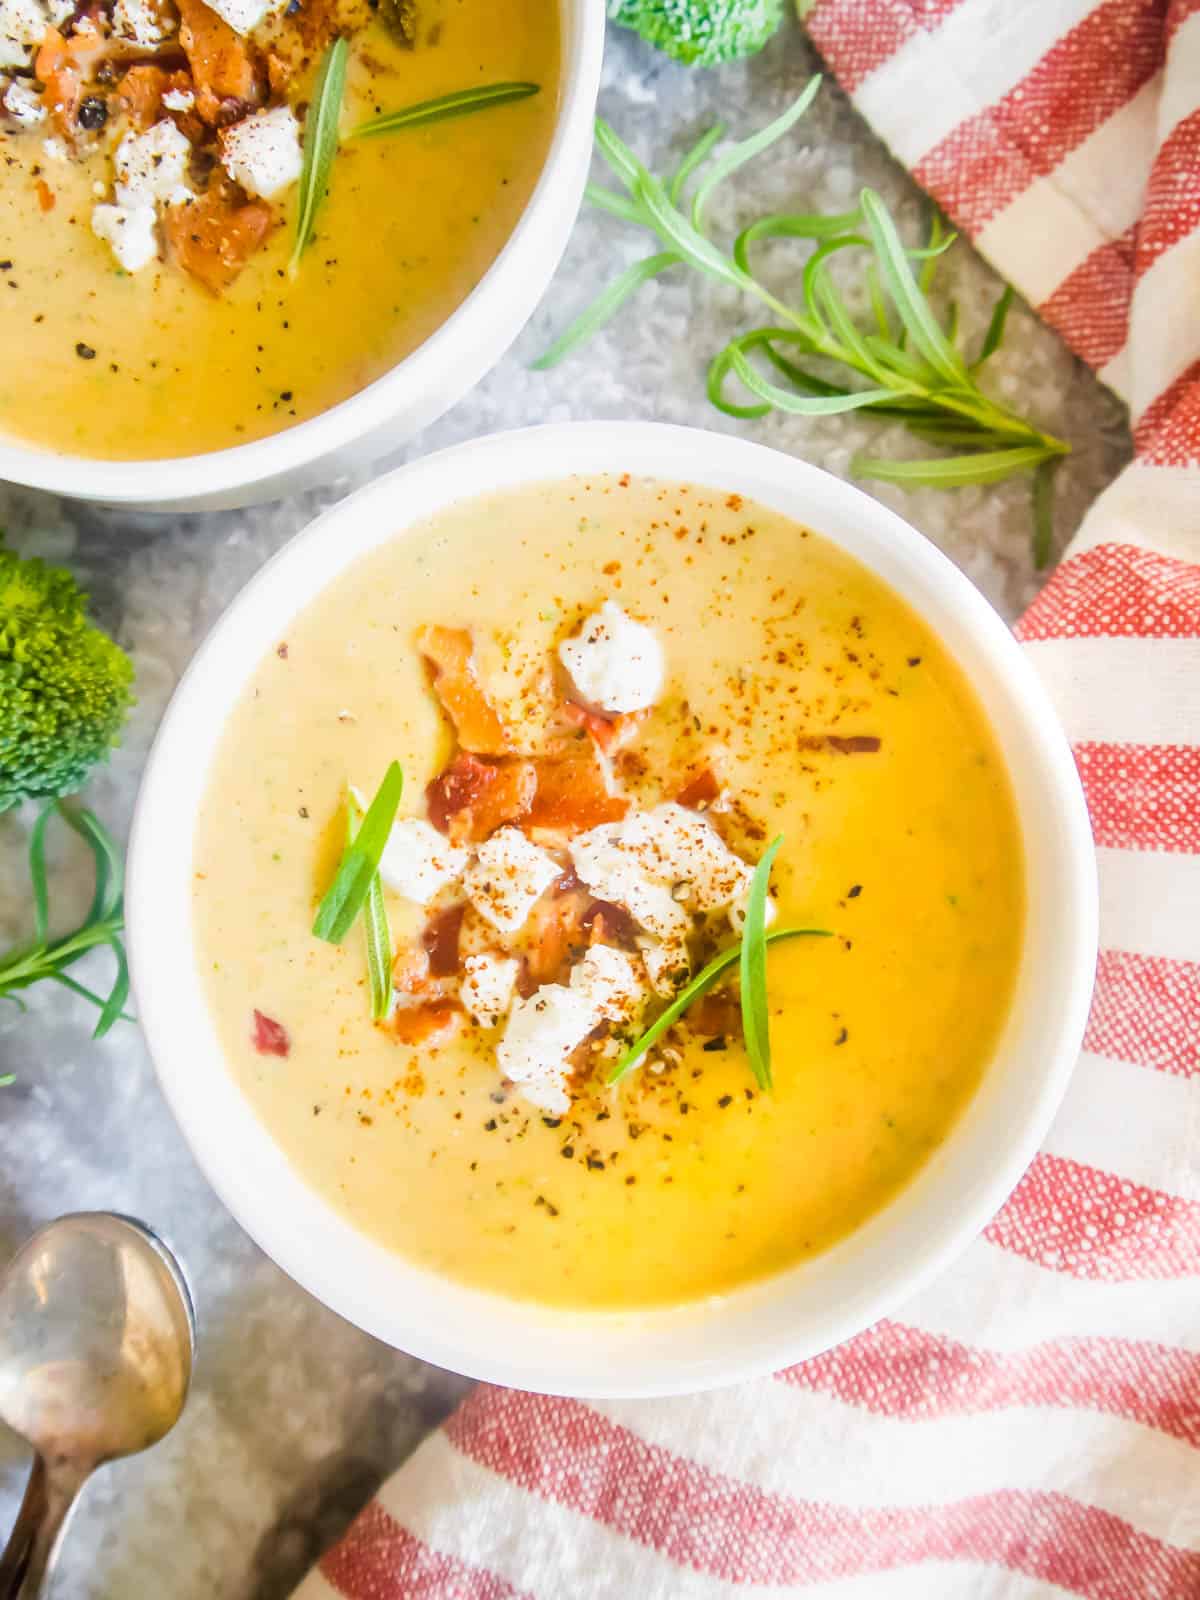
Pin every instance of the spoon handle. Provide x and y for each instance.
(25, 1565)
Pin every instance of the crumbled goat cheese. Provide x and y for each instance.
(418, 862)
(541, 1036)
(179, 99)
(142, 22)
(262, 152)
(150, 170)
(615, 663)
(130, 232)
(662, 865)
(610, 982)
(243, 16)
(23, 25)
(545, 1030)
(487, 987)
(22, 105)
(152, 166)
(55, 150)
(507, 879)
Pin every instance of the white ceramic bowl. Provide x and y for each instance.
(769, 1324)
(416, 391)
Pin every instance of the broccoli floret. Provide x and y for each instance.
(64, 685)
(701, 33)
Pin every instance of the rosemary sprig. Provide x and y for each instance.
(320, 144)
(704, 980)
(458, 104)
(44, 958)
(907, 366)
(375, 921)
(359, 867)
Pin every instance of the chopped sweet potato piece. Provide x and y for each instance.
(214, 236)
(450, 655)
(700, 790)
(64, 67)
(555, 936)
(573, 794)
(609, 732)
(227, 78)
(420, 1023)
(141, 91)
(472, 798)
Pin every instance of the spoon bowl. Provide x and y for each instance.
(97, 1338)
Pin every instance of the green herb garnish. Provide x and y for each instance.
(700, 985)
(44, 958)
(459, 104)
(320, 144)
(378, 929)
(906, 365)
(752, 969)
(348, 892)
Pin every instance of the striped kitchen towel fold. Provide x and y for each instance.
(1029, 1426)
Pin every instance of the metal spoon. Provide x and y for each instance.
(97, 1335)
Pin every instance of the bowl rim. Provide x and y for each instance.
(453, 345)
(761, 1327)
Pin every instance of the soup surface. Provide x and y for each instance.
(104, 362)
(799, 697)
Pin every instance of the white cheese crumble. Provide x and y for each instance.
(542, 1033)
(142, 22)
(610, 983)
(23, 25)
(262, 152)
(150, 170)
(507, 879)
(487, 987)
(615, 663)
(179, 99)
(129, 230)
(243, 16)
(663, 866)
(545, 1030)
(55, 150)
(23, 105)
(418, 862)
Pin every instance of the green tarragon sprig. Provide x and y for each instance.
(906, 366)
(46, 958)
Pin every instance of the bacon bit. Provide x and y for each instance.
(610, 924)
(222, 67)
(573, 794)
(450, 656)
(440, 940)
(270, 1037)
(609, 732)
(64, 66)
(700, 790)
(472, 798)
(715, 1015)
(555, 937)
(417, 1024)
(857, 744)
(45, 195)
(214, 236)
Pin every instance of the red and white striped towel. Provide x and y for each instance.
(1030, 1425)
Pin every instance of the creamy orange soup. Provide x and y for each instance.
(799, 698)
(106, 362)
